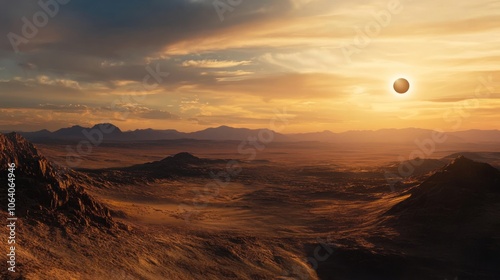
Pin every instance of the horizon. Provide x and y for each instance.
(232, 127)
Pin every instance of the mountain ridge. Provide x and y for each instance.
(111, 132)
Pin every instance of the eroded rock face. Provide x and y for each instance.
(15, 149)
(42, 191)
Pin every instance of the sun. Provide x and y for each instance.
(401, 86)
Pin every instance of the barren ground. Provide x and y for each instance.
(264, 223)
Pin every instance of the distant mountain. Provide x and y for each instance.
(236, 134)
(69, 132)
(324, 136)
(109, 131)
(113, 133)
(41, 134)
(226, 133)
(45, 193)
(151, 134)
(475, 135)
(406, 135)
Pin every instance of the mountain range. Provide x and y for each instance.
(110, 132)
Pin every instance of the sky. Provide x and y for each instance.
(193, 64)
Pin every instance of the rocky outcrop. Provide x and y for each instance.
(45, 193)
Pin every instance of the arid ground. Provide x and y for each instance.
(201, 210)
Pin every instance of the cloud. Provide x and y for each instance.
(312, 60)
(28, 92)
(212, 63)
(289, 86)
(107, 63)
(158, 115)
(108, 29)
(64, 107)
(27, 66)
(141, 111)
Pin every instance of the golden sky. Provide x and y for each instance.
(329, 64)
